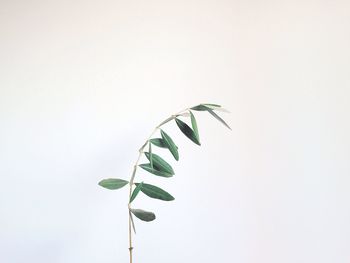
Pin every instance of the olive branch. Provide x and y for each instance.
(157, 165)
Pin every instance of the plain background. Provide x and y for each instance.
(83, 83)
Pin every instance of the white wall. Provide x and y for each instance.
(83, 83)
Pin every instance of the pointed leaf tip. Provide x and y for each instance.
(170, 144)
(148, 168)
(156, 192)
(187, 131)
(160, 164)
(135, 192)
(158, 142)
(113, 183)
(211, 105)
(200, 107)
(210, 108)
(219, 118)
(206, 106)
(194, 126)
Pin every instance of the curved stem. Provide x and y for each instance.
(134, 173)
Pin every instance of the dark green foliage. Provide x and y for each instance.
(194, 125)
(205, 106)
(170, 144)
(158, 142)
(155, 192)
(148, 168)
(135, 192)
(210, 105)
(159, 163)
(143, 215)
(187, 131)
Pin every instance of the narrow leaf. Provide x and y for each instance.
(155, 192)
(150, 154)
(143, 215)
(148, 168)
(216, 107)
(220, 109)
(160, 164)
(135, 192)
(113, 183)
(170, 144)
(132, 222)
(187, 131)
(218, 118)
(194, 126)
(158, 142)
(211, 105)
(207, 106)
(200, 107)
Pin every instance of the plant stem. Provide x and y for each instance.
(134, 173)
(130, 240)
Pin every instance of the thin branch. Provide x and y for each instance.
(135, 169)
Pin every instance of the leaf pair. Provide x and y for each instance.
(210, 108)
(191, 133)
(153, 192)
(166, 142)
(157, 166)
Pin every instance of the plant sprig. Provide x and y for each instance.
(157, 165)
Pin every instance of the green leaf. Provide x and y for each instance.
(200, 107)
(155, 192)
(170, 144)
(187, 131)
(148, 168)
(210, 108)
(143, 215)
(132, 222)
(216, 107)
(218, 118)
(194, 126)
(158, 142)
(206, 106)
(150, 154)
(160, 164)
(113, 183)
(135, 192)
(211, 105)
